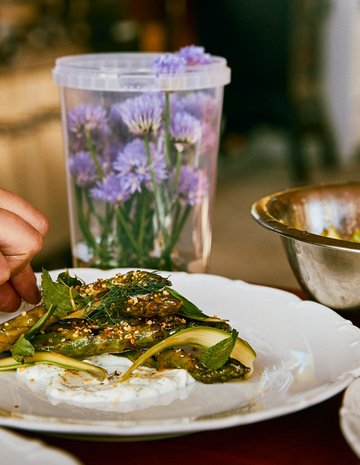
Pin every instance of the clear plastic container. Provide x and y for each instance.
(141, 142)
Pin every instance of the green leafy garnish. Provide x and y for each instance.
(57, 294)
(22, 348)
(58, 299)
(217, 355)
(68, 280)
(190, 310)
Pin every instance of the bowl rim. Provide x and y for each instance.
(261, 214)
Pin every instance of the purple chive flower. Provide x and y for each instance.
(199, 104)
(134, 167)
(83, 169)
(193, 185)
(142, 114)
(112, 189)
(86, 120)
(195, 55)
(158, 162)
(131, 165)
(168, 63)
(114, 113)
(114, 148)
(185, 128)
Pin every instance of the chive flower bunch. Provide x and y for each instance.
(140, 166)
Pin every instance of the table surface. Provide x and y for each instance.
(309, 437)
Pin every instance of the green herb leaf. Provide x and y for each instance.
(57, 294)
(68, 280)
(22, 348)
(217, 355)
(190, 310)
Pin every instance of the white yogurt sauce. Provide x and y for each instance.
(146, 387)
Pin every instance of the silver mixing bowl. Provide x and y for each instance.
(327, 269)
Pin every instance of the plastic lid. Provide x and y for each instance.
(133, 72)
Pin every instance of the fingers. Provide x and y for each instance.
(22, 228)
(19, 242)
(25, 286)
(5, 270)
(9, 299)
(21, 287)
(26, 211)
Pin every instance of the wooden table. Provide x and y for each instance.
(308, 437)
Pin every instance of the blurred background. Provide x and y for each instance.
(291, 112)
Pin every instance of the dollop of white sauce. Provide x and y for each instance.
(146, 387)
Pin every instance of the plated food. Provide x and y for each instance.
(305, 353)
(64, 348)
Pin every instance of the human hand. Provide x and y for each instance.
(22, 228)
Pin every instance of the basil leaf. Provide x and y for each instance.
(217, 355)
(57, 294)
(22, 348)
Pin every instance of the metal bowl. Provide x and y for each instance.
(327, 269)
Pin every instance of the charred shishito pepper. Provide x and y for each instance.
(137, 312)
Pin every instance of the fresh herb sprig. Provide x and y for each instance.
(217, 355)
(59, 298)
(60, 295)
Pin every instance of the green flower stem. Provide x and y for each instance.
(83, 221)
(92, 149)
(84, 226)
(175, 215)
(107, 224)
(92, 209)
(177, 174)
(159, 204)
(177, 229)
(143, 211)
(125, 225)
(167, 130)
(123, 249)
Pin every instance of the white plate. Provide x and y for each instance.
(16, 450)
(350, 416)
(306, 353)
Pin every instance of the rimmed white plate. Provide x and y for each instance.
(16, 449)
(350, 416)
(306, 353)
